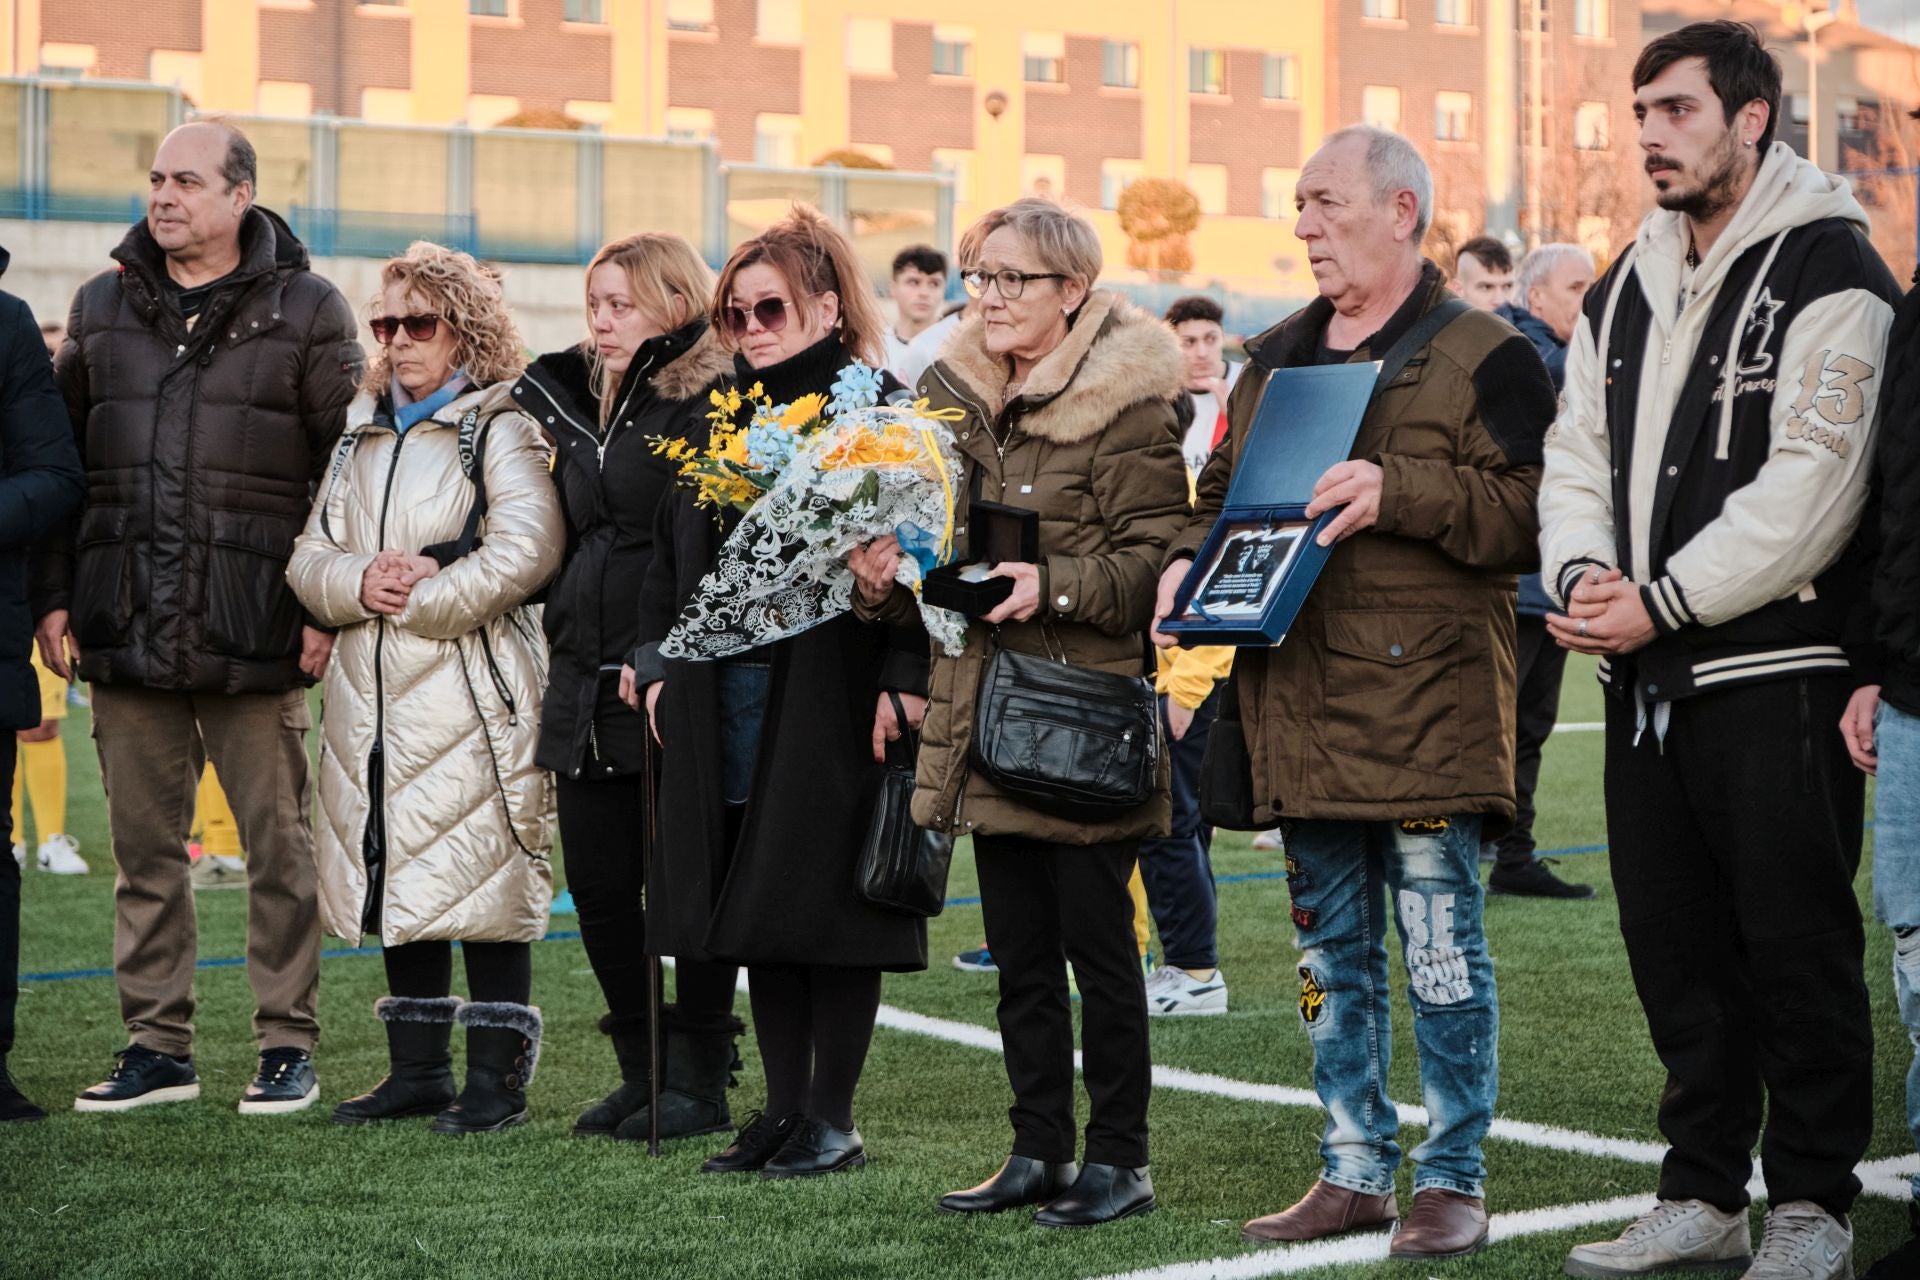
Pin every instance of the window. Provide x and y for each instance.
(1120, 64)
(1799, 110)
(1043, 57)
(589, 111)
(178, 68)
(1452, 13)
(689, 124)
(1380, 106)
(386, 106)
(1206, 71)
(383, 4)
(870, 46)
(1453, 117)
(1847, 107)
(1592, 128)
(586, 11)
(60, 59)
(1209, 182)
(1593, 18)
(1115, 177)
(1390, 10)
(487, 8)
(1280, 78)
(283, 98)
(1527, 12)
(689, 15)
(1276, 192)
(776, 140)
(1043, 175)
(485, 110)
(952, 51)
(777, 21)
(959, 164)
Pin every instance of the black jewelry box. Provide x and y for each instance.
(996, 534)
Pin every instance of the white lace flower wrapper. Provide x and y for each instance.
(783, 568)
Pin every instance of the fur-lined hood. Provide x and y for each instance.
(699, 367)
(1114, 357)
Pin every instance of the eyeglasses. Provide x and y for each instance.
(419, 328)
(1010, 283)
(770, 312)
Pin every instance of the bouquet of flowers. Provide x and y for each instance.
(814, 478)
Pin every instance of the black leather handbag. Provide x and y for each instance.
(1070, 741)
(1226, 768)
(902, 866)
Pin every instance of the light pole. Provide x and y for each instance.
(1811, 21)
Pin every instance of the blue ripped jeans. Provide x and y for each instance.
(1346, 878)
(1896, 877)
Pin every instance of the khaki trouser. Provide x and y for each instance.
(152, 746)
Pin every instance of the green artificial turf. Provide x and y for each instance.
(195, 1189)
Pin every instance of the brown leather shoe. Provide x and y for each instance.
(1443, 1224)
(1325, 1211)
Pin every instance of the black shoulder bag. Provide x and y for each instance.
(1226, 768)
(902, 866)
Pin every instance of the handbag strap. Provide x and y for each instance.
(908, 734)
(1415, 340)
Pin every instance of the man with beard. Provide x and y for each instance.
(1704, 486)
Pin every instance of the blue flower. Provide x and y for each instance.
(857, 387)
(770, 447)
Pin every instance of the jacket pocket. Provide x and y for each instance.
(1393, 688)
(102, 602)
(251, 611)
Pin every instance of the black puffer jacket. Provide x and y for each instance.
(1896, 580)
(201, 447)
(610, 489)
(40, 483)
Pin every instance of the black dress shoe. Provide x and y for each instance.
(1102, 1193)
(754, 1145)
(1022, 1180)
(814, 1147)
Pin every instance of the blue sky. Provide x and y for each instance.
(1898, 18)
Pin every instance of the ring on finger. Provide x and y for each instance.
(1583, 626)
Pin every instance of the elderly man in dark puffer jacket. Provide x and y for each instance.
(206, 379)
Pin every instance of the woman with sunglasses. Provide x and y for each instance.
(771, 761)
(435, 521)
(641, 373)
(1066, 393)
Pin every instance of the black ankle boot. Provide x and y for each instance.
(698, 1057)
(1102, 1193)
(14, 1104)
(1022, 1180)
(419, 1080)
(503, 1046)
(629, 1037)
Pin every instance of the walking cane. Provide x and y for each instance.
(648, 829)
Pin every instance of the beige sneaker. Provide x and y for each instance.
(214, 871)
(1674, 1235)
(1802, 1241)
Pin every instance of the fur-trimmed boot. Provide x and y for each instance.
(419, 1080)
(697, 1062)
(629, 1037)
(503, 1047)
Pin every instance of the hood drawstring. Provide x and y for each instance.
(1730, 375)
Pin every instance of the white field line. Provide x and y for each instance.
(1580, 726)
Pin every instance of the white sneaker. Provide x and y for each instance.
(1802, 1241)
(1174, 993)
(60, 855)
(1269, 840)
(20, 856)
(1674, 1235)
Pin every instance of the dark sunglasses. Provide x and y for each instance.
(1010, 283)
(770, 312)
(419, 328)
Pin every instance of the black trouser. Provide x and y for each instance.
(1045, 905)
(9, 906)
(600, 844)
(1177, 868)
(1734, 848)
(814, 1024)
(1543, 665)
(500, 971)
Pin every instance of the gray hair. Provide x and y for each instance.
(1540, 264)
(1062, 240)
(1395, 166)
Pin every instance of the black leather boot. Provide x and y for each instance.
(503, 1046)
(1102, 1193)
(1022, 1180)
(629, 1037)
(419, 1080)
(15, 1105)
(697, 1060)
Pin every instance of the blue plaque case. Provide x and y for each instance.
(1261, 558)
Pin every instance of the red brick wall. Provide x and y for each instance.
(542, 62)
(124, 32)
(912, 111)
(732, 76)
(1245, 132)
(337, 50)
(1083, 121)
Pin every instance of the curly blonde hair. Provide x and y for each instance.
(466, 294)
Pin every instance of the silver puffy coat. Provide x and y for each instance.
(449, 689)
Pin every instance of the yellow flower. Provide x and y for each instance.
(803, 411)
